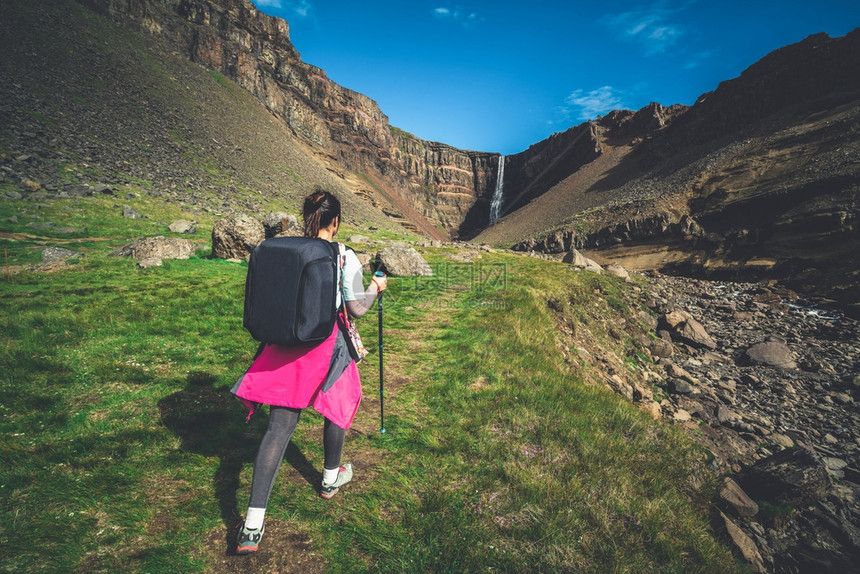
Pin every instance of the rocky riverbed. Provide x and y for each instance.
(766, 380)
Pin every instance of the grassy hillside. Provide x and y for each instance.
(123, 450)
(87, 103)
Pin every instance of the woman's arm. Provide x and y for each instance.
(364, 299)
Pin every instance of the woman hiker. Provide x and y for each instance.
(290, 379)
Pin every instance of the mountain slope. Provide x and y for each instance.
(759, 179)
(86, 102)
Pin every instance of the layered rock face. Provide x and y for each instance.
(451, 186)
(758, 179)
(430, 187)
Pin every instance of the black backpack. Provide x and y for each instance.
(291, 290)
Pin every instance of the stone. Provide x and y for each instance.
(618, 271)
(744, 544)
(13, 195)
(843, 398)
(150, 262)
(676, 317)
(157, 248)
(648, 319)
(182, 226)
(682, 416)
(723, 414)
(281, 223)
(661, 348)
(52, 254)
(130, 213)
(733, 498)
(403, 262)
(679, 386)
(593, 266)
(691, 331)
(771, 353)
(235, 237)
(673, 370)
(782, 440)
(620, 386)
(576, 259)
(795, 476)
(78, 190)
(834, 463)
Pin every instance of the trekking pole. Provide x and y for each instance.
(381, 393)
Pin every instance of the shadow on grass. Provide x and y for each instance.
(211, 422)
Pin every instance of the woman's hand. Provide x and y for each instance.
(380, 282)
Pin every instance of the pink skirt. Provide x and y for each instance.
(294, 376)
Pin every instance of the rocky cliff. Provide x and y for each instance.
(758, 179)
(765, 165)
(431, 188)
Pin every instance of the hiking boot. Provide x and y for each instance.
(344, 475)
(248, 539)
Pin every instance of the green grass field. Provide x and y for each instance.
(123, 450)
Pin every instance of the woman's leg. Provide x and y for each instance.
(333, 439)
(334, 475)
(282, 423)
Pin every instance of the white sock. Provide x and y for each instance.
(330, 475)
(254, 518)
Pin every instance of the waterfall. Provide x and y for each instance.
(496, 203)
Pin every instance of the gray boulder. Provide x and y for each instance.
(403, 262)
(618, 271)
(794, 476)
(575, 258)
(771, 353)
(235, 237)
(53, 254)
(130, 213)
(149, 263)
(743, 543)
(686, 329)
(157, 248)
(733, 498)
(182, 226)
(281, 223)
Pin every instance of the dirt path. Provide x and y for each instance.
(289, 550)
(31, 237)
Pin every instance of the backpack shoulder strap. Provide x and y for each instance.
(341, 264)
(341, 249)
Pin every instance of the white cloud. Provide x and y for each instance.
(299, 8)
(458, 15)
(652, 28)
(584, 106)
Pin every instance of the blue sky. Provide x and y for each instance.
(501, 76)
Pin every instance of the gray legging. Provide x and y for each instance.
(282, 423)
